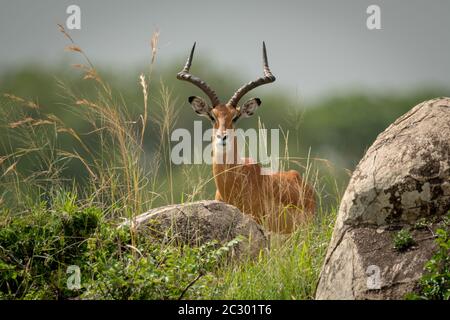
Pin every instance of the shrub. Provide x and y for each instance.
(403, 240)
(435, 283)
(36, 249)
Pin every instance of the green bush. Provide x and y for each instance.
(165, 273)
(435, 283)
(36, 249)
(403, 240)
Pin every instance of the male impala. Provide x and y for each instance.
(279, 201)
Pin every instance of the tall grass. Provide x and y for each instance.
(114, 160)
(123, 180)
(289, 271)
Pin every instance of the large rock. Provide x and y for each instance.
(200, 222)
(404, 176)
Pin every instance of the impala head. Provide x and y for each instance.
(224, 116)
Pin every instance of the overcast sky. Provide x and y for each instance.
(315, 47)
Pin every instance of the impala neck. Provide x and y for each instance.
(226, 156)
(225, 163)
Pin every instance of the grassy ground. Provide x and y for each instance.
(289, 270)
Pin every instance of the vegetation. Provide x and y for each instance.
(435, 283)
(38, 247)
(77, 158)
(403, 240)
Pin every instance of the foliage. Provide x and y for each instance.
(37, 248)
(435, 282)
(403, 240)
(422, 223)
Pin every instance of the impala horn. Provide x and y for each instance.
(186, 76)
(268, 78)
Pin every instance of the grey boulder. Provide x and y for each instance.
(403, 177)
(200, 222)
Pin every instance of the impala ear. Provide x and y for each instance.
(249, 108)
(200, 106)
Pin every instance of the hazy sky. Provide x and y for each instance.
(315, 47)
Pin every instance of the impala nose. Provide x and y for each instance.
(221, 139)
(224, 137)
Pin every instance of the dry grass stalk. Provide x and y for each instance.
(20, 122)
(27, 103)
(73, 48)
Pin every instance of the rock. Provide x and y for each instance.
(404, 176)
(200, 222)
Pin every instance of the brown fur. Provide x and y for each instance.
(279, 201)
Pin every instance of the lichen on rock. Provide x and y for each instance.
(200, 222)
(403, 177)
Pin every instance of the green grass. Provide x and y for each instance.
(289, 270)
(38, 246)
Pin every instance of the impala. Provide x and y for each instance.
(281, 200)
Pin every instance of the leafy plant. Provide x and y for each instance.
(169, 273)
(422, 223)
(436, 283)
(403, 240)
(37, 248)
